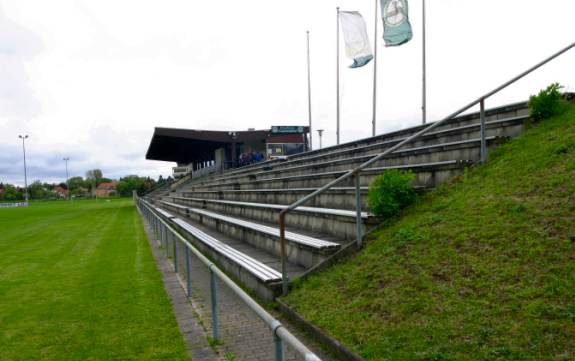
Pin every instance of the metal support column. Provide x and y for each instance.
(279, 348)
(283, 254)
(159, 233)
(166, 241)
(358, 221)
(483, 142)
(215, 323)
(188, 274)
(175, 253)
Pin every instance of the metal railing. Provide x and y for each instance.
(356, 172)
(13, 205)
(165, 232)
(166, 184)
(206, 170)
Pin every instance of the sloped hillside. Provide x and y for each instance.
(482, 268)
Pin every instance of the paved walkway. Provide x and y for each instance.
(243, 335)
(190, 328)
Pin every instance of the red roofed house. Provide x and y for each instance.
(106, 189)
(60, 192)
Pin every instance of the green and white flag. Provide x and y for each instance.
(396, 26)
(355, 35)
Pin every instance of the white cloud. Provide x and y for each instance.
(18, 46)
(91, 79)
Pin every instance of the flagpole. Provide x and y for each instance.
(423, 91)
(337, 77)
(374, 74)
(309, 92)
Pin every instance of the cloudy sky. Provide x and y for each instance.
(90, 79)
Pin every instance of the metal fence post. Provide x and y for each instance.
(280, 334)
(188, 273)
(160, 232)
(175, 252)
(166, 242)
(279, 348)
(157, 229)
(358, 221)
(482, 131)
(283, 252)
(275, 325)
(215, 324)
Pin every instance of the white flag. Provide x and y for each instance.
(355, 35)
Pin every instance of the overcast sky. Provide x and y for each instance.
(90, 79)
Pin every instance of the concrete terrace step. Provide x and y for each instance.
(397, 155)
(164, 213)
(260, 270)
(427, 175)
(498, 113)
(291, 236)
(333, 198)
(278, 207)
(509, 126)
(254, 268)
(337, 223)
(467, 149)
(498, 128)
(301, 249)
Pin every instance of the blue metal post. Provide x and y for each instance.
(175, 245)
(483, 142)
(215, 324)
(166, 242)
(188, 273)
(279, 348)
(157, 229)
(358, 221)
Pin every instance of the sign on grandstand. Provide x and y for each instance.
(287, 129)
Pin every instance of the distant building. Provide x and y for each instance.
(106, 189)
(60, 192)
(203, 151)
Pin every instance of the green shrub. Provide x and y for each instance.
(547, 103)
(390, 192)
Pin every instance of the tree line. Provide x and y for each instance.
(80, 187)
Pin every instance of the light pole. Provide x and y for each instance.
(67, 177)
(24, 137)
(319, 132)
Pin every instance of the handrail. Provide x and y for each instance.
(157, 187)
(279, 332)
(356, 171)
(13, 204)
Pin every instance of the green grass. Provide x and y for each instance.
(78, 282)
(479, 269)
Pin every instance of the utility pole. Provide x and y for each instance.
(24, 137)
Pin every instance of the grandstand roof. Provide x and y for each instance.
(189, 145)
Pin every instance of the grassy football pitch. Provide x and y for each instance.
(78, 281)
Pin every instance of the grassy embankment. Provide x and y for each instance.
(479, 269)
(78, 281)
